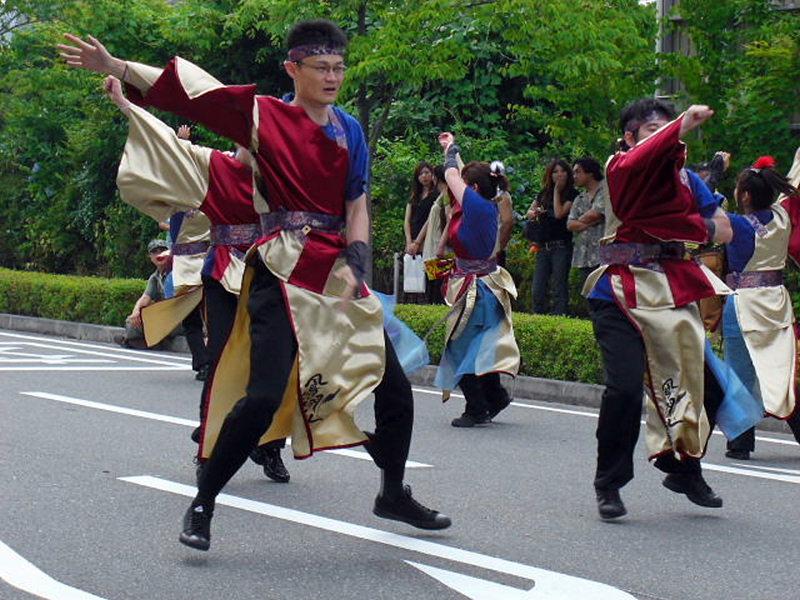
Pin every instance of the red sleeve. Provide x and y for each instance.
(225, 109)
(792, 206)
(665, 144)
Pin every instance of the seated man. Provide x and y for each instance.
(158, 252)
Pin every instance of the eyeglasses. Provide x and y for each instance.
(323, 70)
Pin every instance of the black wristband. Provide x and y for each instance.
(711, 226)
(356, 256)
(451, 156)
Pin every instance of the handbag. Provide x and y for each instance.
(413, 274)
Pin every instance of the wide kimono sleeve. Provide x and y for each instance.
(160, 174)
(186, 90)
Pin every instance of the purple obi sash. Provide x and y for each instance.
(640, 254)
(474, 266)
(242, 234)
(189, 249)
(299, 222)
(753, 279)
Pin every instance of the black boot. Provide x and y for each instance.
(609, 504)
(274, 467)
(396, 502)
(197, 526)
(695, 488)
(468, 420)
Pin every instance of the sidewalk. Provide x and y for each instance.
(525, 388)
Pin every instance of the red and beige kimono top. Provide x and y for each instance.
(305, 173)
(644, 269)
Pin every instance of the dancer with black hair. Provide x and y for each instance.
(758, 324)
(308, 342)
(479, 343)
(643, 301)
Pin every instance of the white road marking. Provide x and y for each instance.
(771, 469)
(348, 452)
(482, 589)
(752, 473)
(594, 415)
(550, 583)
(21, 574)
(119, 352)
(115, 409)
(55, 359)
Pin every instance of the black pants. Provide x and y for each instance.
(482, 394)
(193, 329)
(621, 407)
(273, 350)
(747, 441)
(220, 315)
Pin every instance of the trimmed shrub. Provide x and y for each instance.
(67, 297)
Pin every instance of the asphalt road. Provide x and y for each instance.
(95, 464)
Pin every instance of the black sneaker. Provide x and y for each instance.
(197, 527)
(609, 504)
(404, 508)
(738, 454)
(202, 373)
(274, 467)
(196, 435)
(467, 420)
(695, 488)
(499, 407)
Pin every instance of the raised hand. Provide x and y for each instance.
(113, 89)
(446, 139)
(695, 115)
(184, 132)
(91, 55)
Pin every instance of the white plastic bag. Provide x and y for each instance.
(413, 274)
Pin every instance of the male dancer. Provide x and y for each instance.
(305, 348)
(163, 176)
(644, 310)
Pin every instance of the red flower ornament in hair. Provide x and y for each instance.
(765, 162)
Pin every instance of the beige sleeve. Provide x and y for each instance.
(141, 76)
(161, 174)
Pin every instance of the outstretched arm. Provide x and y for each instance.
(181, 88)
(159, 174)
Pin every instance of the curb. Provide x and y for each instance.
(526, 388)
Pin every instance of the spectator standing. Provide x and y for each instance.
(423, 194)
(586, 217)
(551, 210)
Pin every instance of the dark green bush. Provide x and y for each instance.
(67, 297)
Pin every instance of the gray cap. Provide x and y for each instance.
(156, 244)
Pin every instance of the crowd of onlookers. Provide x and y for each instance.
(563, 224)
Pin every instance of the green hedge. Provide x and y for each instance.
(67, 297)
(551, 347)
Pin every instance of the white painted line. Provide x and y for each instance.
(118, 350)
(149, 369)
(769, 469)
(142, 357)
(594, 415)
(55, 359)
(115, 409)
(752, 473)
(549, 584)
(23, 575)
(360, 454)
(479, 589)
(348, 452)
